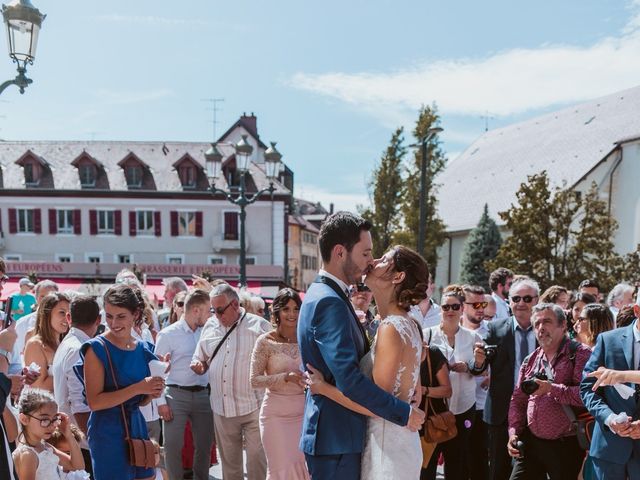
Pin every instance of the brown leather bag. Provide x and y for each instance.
(142, 452)
(439, 427)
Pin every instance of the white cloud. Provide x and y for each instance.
(506, 83)
(340, 200)
(127, 98)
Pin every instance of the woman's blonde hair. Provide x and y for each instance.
(44, 330)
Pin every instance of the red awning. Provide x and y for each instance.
(64, 284)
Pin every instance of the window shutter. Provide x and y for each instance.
(93, 222)
(13, 220)
(174, 224)
(132, 224)
(156, 223)
(198, 224)
(117, 222)
(37, 220)
(77, 222)
(53, 221)
(231, 225)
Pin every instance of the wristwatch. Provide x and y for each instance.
(5, 353)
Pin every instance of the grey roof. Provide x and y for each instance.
(567, 143)
(159, 156)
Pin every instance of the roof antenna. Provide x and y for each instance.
(487, 116)
(215, 109)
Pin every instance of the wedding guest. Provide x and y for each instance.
(177, 308)
(575, 308)
(130, 360)
(594, 319)
(186, 396)
(51, 326)
(224, 350)
(556, 294)
(275, 366)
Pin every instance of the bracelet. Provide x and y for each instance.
(5, 353)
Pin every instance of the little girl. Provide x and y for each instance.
(34, 458)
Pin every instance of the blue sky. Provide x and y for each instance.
(328, 80)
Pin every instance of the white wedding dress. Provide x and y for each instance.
(392, 451)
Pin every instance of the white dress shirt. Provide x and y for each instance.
(341, 284)
(150, 410)
(180, 341)
(431, 318)
(463, 385)
(231, 392)
(502, 307)
(67, 388)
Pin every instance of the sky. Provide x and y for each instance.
(329, 81)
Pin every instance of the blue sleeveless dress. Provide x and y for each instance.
(106, 431)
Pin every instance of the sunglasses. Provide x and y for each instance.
(180, 304)
(46, 422)
(455, 307)
(220, 310)
(525, 299)
(477, 305)
(361, 287)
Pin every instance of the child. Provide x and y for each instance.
(59, 441)
(161, 473)
(34, 458)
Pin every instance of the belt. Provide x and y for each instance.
(190, 388)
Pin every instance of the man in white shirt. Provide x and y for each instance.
(427, 312)
(473, 319)
(500, 282)
(84, 317)
(186, 395)
(225, 350)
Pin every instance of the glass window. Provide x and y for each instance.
(188, 176)
(64, 258)
(174, 259)
(134, 175)
(215, 260)
(25, 220)
(87, 174)
(144, 222)
(106, 221)
(187, 224)
(93, 258)
(65, 221)
(124, 258)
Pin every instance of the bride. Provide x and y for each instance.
(398, 280)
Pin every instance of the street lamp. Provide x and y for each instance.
(432, 132)
(23, 22)
(243, 152)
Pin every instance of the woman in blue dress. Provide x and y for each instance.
(130, 358)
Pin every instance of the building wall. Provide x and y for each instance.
(264, 227)
(304, 256)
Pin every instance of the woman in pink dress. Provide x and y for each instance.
(275, 366)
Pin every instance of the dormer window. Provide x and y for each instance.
(87, 174)
(190, 173)
(188, 176)
(36, 170)
(133, 173)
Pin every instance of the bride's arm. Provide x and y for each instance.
(318, 386)
(607, 376)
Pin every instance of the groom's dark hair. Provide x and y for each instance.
(341, 228)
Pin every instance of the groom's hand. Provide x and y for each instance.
(416, 419)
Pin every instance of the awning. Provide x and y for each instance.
(64, 284)
(267, 292)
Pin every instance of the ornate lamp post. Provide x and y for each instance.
(243, 150)
(432, 132)
(23, 22)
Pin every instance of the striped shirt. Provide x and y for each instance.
(231, 392)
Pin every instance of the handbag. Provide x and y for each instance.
(141, 452)
(439, 427)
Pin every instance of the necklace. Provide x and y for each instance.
(288, 340)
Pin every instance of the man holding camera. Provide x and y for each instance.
(542, 434)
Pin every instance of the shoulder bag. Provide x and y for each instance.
(439, 427)
(141, 452)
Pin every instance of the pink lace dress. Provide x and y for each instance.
(282, 408)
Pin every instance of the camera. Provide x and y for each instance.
(490, 351)
(529, 386)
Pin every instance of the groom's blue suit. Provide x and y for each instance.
(332, 341)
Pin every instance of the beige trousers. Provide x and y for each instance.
(229, 433)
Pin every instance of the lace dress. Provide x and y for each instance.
(392, 451)
(48, 462)
(282, 407)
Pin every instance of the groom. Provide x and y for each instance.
(332, 340)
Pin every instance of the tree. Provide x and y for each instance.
(386, 191)
(435, 228)
(560, 238)
(481, 245)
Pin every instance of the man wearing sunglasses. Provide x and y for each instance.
(515, 340)
(224, 350)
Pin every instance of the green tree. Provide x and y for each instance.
(481, 246)
(386, 192)
(435, 228)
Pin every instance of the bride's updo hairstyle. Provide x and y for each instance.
(413, 288)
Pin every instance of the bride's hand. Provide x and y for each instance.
(314, 380)
(605, 376)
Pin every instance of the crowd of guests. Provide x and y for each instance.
(524, 374)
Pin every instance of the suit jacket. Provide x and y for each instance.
(496, 409)
(331, 341)
(614, 349)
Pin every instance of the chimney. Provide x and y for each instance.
(250, 122)
(331, 209)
